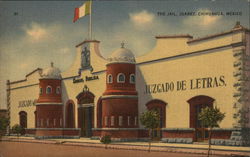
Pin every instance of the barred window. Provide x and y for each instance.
(112, 123)
(120, 120)
(61, 122)
(54, 122)
(135, 120)
(47, 122)
(128, 120)
(41, 122)
(106, 121)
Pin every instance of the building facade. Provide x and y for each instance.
(180, 76)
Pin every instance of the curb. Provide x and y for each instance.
(169, 149)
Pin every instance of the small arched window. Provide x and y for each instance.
(58, 90)
(41, 90)
(121, 78)
(48, 90)
(132, 78)
(109, 79)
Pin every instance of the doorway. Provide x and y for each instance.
(197, 103)
(85, 101)
(160, 107)
(201, 130)
(86, 117)
(23, 119)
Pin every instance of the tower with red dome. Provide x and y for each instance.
(49, 107)
(120, 99)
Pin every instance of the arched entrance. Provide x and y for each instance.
(160, 107)
(23, 119)
(85, 101)
(196, 104)
(70, 114)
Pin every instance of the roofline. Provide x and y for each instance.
(87, 41)
(174, 36)
(218, 34)
(18, 81)
(33, 72)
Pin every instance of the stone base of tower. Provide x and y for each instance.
(121, 134)
(45, 133)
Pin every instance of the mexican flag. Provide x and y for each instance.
(82, 10)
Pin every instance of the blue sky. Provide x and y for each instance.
(43, 31)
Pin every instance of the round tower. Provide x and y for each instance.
(49, 105)
(120, 100)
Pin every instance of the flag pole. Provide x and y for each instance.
(90, 21)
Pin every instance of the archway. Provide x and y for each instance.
(160, 107)
(196, 104)
(70, 114)
(23, 119)
(85, 101)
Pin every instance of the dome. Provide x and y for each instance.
(122, 55)
(51, 72)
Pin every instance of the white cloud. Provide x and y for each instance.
(64, 50)
(142, 18)
(35, 32)
(203, 20)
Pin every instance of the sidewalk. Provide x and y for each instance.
(156, 146)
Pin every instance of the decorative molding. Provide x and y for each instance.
(57, 129)
(114, 129)
(86, 105)
(48, 103)
(178, 129)
(119, 96)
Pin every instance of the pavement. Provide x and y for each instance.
(196, 148)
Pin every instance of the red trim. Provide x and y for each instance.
(76, 16)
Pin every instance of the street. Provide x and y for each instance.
(23, 149)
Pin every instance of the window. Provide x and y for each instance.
(48, 90)
(41, 90)
(120, 120)
(58, 90)
(60, 122)
(112, 121)
(47, 122)
(121, 78)
(106, 121)
(132, 78)
(38, 125)
(135, 121)
(109, 78)
(42, 122)
(128, 120)
(54, 122)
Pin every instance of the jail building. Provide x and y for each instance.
(100, 96)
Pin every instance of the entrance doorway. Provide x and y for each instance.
(23, 119)
(86, 117)
(85, 101)
(201, 129)
(160, 107)
(197, 103)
